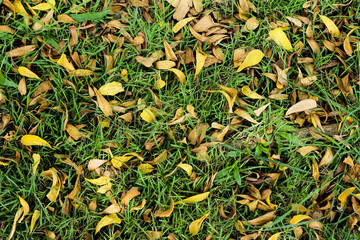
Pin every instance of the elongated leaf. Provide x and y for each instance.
(179, 25)
(181, 76)
(280, 38)
(111, 88)
(249, 93)
(4, 81)
(90, 16)
(141, 206)
(275, 236)
(253, 58)
(36, 159)
(99, 181)
(104, 105)
(195, 226)
(65, 63)
(302, 106)
(146, 168)
(166, 213)
(24, 71)
(25, 205)
(298, 218)
(333, 29)
(32, 140)
(194, 199)
(343, 197)
(186, 167)
(34, 218)
(107, 220)
(200, 61)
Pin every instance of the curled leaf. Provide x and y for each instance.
(343, 197)
(107, 220)
(179, 25)
(280, 38)
(188, 168)
(166, 213)
(302, 106)
(181, 76)
(200, 61)
(118, 161)
(249, 93)
(24, 205)
(194, 227)
(31, 140)
(298, 218)
(253, 58)
(34, 218)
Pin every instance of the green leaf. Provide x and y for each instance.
(237, 176)
(91, 16)
(5, 82)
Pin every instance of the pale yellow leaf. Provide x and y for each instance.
(333, 29)
(343, 197)
(99, 181)
(186, 167)
(194, 199)
(179, 25)
(146, 168)
(82, 72)
(200, 61)
(32, 140)
(181, 76)
(195, 226)
(95, 163)
(279, 36)
(253, 58)
(148, 115)
(118, 161)
(34, 218)
(103, 104)
(42, 7)
(298, 218)
(245, 115)
(251, 94)
(159, 84)
(111, 88)
(16, 218)
(275, 236)
(36, 159)
(107, 220)
(25, 206)
(24, 71)
(251, 24)
(302, 106)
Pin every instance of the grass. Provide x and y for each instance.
(235, 167)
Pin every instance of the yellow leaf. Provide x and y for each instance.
(195, 226)
(298, 218)
(34, 218)
(146, 168)
(148, 115)
(82, 72)
(159, 84)
(42, 7)
(30, 140)
(55, 187)
(16, 218)
(333, 29)
(179, 25)
(167, 213)
(23, 71)
(194, 199)
(117, 162)
(104, 105)
(99, 181)
(188, 168)
(107, 220)
(179, 74)
(245, 115)
(269, 202)
(24, 204)
(36, 158)
(253, 58)
(249, 93)
(280, 38)
(65, 63)
(141, 206)
(275, 236)
(343, 197)
(200, 61)
(111, 88)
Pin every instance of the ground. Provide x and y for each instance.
(141, 119)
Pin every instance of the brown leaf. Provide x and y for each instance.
(262, 219)
(302, 106)
(164, 64)
(166, 213)
(104, 105)
(328, 156)
(182, 9)
(21, 51)
(307, 149)
(133, 192)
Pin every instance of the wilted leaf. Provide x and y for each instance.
(328, 156)
(253, 58)
(251, 24)
(188, 168)
(146, 168)
(280, 38)
(23, 71)
(298, 218)
(333, 29)
(166, 213)
(34, 218)
(200, 61)
(275, 236)
(32, 140)
(133, 192)
(195, 226)
(181, 76)
(307, 149)
(153, 235)
(164, 65)
(262, 219)
(104, 105)
(21, 51)
(315, 170)
(245, 115)
(194, 199)
(249, 93)
(169, 53)
(36, 159)
(301, 106)
(107, 220)
(261, 109)
(111, 88)
(141, 206)
(95, 163)
(55, 187)
(343, 197)
(148, 115)
(16, 218)
(25, 207)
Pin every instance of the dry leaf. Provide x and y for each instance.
(118, 161)
(333, 29)
(148, 115)
(253, 58)
(36, 159)
(62, 61)
(21, 51)
(95, 163)
(245, 115)
(146, 168)
(104, 105)
(32, 140)
(261, 109)
(302, 106)
(107, 220)
(141, 206)
(169, 53)
(328, 156)
(182, 9)
(164, 65)
(343, 197)
(16, 218)
(179, 25)
(82, 73)
(25, 207)
(181, 76)
(186, 167)
(307, 149)
(111, 88)
(133, 192)
(34, 218)
(251, 94)
(167, 213)
(23, 71)
(153, 235)
(55, 187)
(262, 219)
(194, 199)
(298, 218)
(315, 170)
(251, 24)
(200, 61)
(275, 236)
(195, 226)
(279, 36)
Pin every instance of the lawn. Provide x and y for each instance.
(179, 119)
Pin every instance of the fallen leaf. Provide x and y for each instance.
(251, 94)
(24, 205)
(195, 226)
(194, 199)
(169, 53)
(245, 115)
(141, 206)
(298, 218)
(148, 115)
(186, 167)
(36, 159)
(104, 105)
(301, 106)
(32, 140)
(328, 156)
(343, 197)
(153, 235)
(333, 29)
(21, 51)
(82, 73)
(315, 171)
(99, 181)
(262, 219)
(111, 88)
(251, 24)
(107, 220)
(164, 65)
(261, 109)
(179, 25)
(146, 168)
(166, 213)
(253, 58)
(65, 63)
(95, 163)
(16, 218)
(23, 71)
(307, 149)
(275, 236)
(118, 161)
(200, 61)
(181, 76)
(133, 192)
(55, 187)
(279, 36)
(34, 218)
